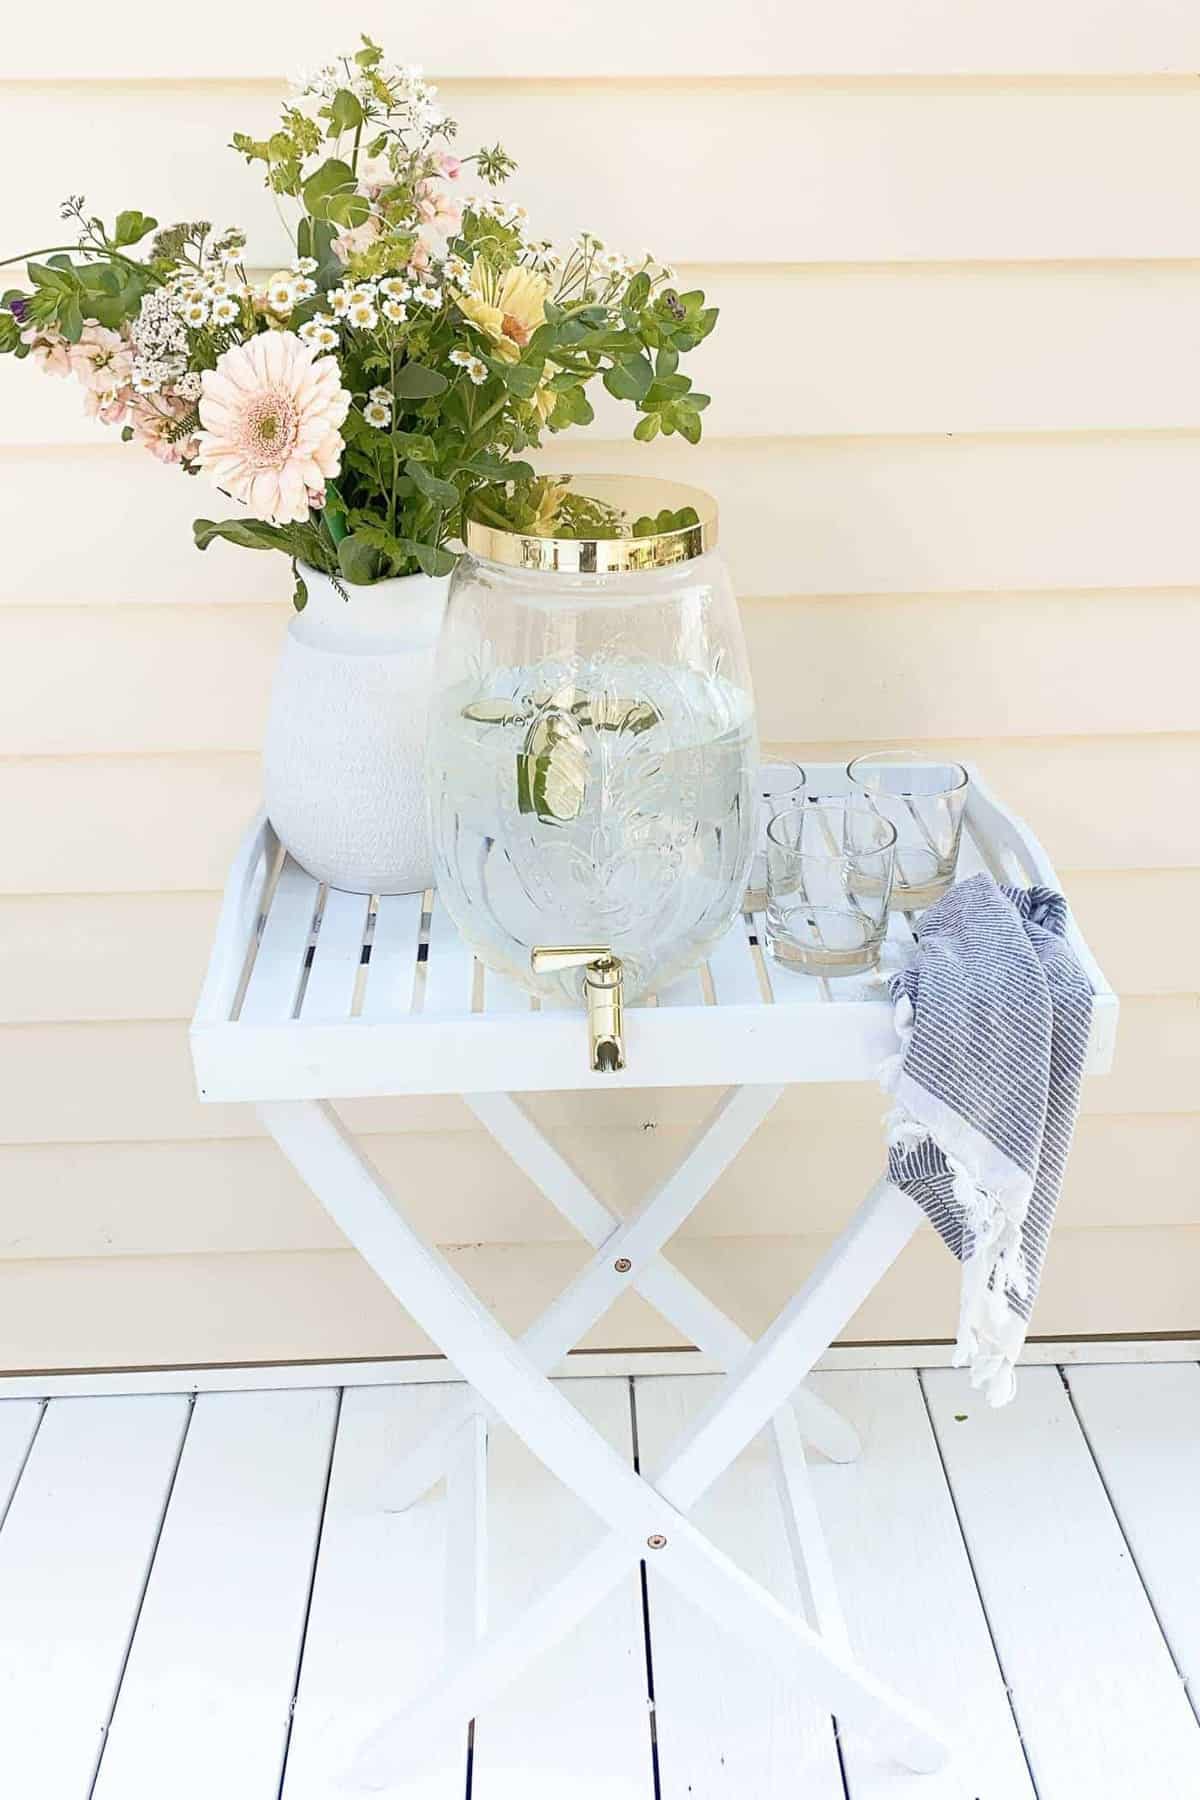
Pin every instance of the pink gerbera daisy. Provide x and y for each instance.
(270, 413)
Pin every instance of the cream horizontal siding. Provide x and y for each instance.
(956, 439)
(905, 655)
(676, 37)
(115, 1312)
(252, 1202)
(762, 172)
(147, 824)
(834, 516)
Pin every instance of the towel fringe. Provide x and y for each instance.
(989, 1336)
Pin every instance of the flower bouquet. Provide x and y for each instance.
(419, 342)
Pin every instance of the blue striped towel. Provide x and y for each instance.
(993, 1016)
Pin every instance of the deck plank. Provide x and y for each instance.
(576, 1722)
(376, 1626)
(19, 1420)
(74, 1555)
(1101, 1709)
(909, 1597)
(731, 1725)
(214, 1660)
(1143, 1424)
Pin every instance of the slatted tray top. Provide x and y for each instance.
(366, 994)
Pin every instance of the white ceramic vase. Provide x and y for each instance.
(344, 757)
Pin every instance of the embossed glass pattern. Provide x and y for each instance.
(591, 752)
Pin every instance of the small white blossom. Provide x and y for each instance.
(377, 414)
(382, 396)
(362, 290)
(188, 386)
(363, 316)
(339, 302)
(225, 310)
(477, 370)
(319, 336)
(303, 265)
(305, 289)
(395, 312)
(281, 294)
(195, 314)
(429, 296)
(395, 289)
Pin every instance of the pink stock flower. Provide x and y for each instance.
(418, 261)
(438, 209)
(357, 238)
(110, 405)
(270, 413)
(49, 350)
(153, 422)
(101, 360)
(450, 166)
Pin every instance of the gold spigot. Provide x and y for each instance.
(602, 982)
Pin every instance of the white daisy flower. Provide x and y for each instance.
(430, 296)
(281, 294)
(362, 290)
(395, 289)
(377, 415)
(477, 370)
(305, 289)
(381, 396)
(393, 310)
(339, 302)
(363, 316)
(225, 310)
(308, 333)
(462, 358)
(195, 313)
(324, 338)
(303, 265)
(217, 290)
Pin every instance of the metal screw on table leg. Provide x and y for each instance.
(622, 1265)
(656, 1541)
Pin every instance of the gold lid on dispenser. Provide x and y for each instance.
(593, 524)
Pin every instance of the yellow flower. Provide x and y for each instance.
(544, 398)
(507, 309)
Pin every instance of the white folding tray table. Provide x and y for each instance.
(313, 995)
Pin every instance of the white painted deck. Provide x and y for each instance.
(208, 1596)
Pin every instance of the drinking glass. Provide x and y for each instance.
(777, 784)
(924, 799)
(830, 865)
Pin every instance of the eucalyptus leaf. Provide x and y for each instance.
(360, 558)
(413, 381)
(345, 113)
(521, 379)
(443, 493)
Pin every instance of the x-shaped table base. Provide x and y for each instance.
(510, 1380)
